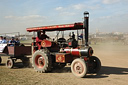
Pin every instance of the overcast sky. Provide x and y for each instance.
(105, 15)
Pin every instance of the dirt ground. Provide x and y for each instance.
(114, 71)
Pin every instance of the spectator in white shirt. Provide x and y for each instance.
(4, 40)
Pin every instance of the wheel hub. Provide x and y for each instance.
(78, 68)
(9, 63)
(41, 61)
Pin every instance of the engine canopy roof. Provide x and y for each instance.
(62, 27)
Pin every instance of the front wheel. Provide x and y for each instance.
(79, 68)
(94, 65)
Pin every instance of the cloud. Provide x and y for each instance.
(94, 7)
(110, 23)
(59, 8)
(67, 13)
(20, 23)
(24, 17)
(83, 6)
(7, 17)
(78, 6)
(110, 1)
(105, 17)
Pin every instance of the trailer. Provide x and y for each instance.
(56, 53)
(14, 53)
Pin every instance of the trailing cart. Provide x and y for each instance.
(15, 52)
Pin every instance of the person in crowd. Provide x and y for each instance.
(17, 41)
(1, 38)
(12, 41)
(4, 40)
(80, 36)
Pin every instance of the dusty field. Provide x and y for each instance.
(114, 71)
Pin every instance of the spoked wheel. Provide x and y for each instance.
(79, 68)
(10, 63)
(0, 60)
(94, 65)
(42, 61)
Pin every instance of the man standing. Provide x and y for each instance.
(73, 35)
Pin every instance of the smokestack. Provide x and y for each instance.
(85, 25)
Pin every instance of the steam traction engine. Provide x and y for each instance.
(48, 55)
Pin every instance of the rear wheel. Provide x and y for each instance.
(42, 61)
(10, 63)
(79, 68)
(0, 60)
(94, 65)
(26, 61)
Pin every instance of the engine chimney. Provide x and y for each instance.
(85, 25)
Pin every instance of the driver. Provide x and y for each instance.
(43, 36)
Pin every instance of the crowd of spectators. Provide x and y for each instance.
(11, 41)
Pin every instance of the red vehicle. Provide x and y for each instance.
(48, 55)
